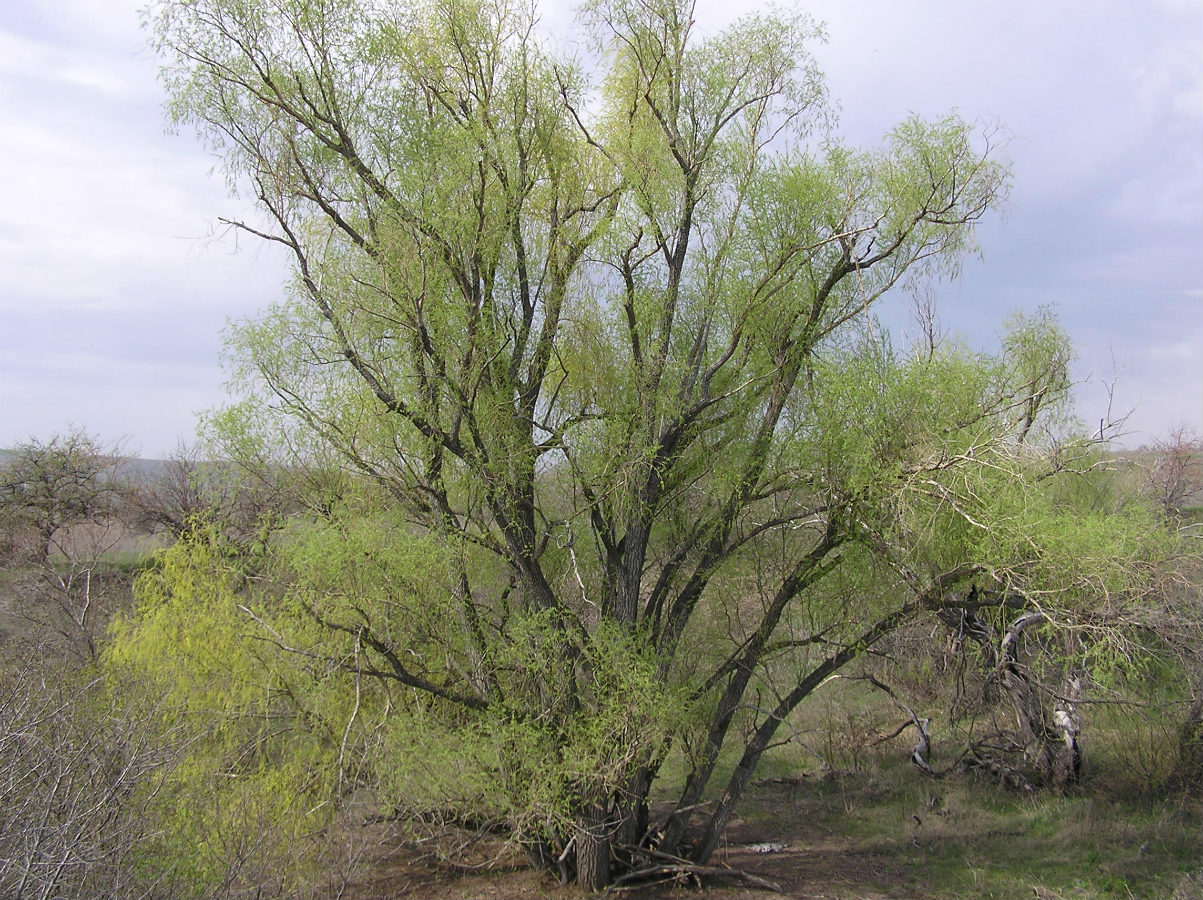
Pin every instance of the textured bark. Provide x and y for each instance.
(1049, 739)
(593, 848)
(743, 667)
(1066, 754)
(632, 805)
(763, 736)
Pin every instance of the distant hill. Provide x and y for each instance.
(138, 471)
(143, 470)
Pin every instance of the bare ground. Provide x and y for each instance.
(820, 868)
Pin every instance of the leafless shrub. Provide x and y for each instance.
(1175, 480)
(186, 488)
(76, 773)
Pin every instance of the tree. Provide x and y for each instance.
(603, 347)
(241, 810)
(61, 506)
(243, 497)
(1175, 479)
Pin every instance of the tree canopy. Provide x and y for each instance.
(600, 339)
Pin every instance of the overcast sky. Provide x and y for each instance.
(115, 283)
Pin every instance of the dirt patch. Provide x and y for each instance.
(399, 866)
(774, 840)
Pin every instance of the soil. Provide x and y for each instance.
(775, 840)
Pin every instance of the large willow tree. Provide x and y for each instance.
(603, 336)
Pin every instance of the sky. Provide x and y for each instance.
(116, 279)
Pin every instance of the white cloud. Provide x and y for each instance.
(101, 25)
(99, 203)
(1171, 80)
(105, 219)
(110, 74)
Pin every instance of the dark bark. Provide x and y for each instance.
(742, 667)
(1049, 737)
(754, 750)
(632, 807)
(594, 838)
(763, 736)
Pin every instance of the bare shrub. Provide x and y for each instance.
(186, 489)
(76, 775)
(1175, 479)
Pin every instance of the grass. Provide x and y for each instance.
(1192, 516)
(973, 841)
(1122, 833)
(126, 562)
(960, 836)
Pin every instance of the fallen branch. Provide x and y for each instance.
(923, 746)
(1007, 775)
(672, 871)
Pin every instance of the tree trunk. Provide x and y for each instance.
(746, 662)
(633, 815)
(763, 736)
(593, 846)
(1066, 754)
(1052, 748)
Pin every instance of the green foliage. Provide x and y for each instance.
(274, 733)
(236, 811)
(530, 771)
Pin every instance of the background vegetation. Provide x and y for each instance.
(193, 754)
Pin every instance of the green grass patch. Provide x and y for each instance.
(1192, 515)
(964, 837)
(126, 562)
(1122, 833)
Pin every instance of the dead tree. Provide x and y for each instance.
(1043, 707)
